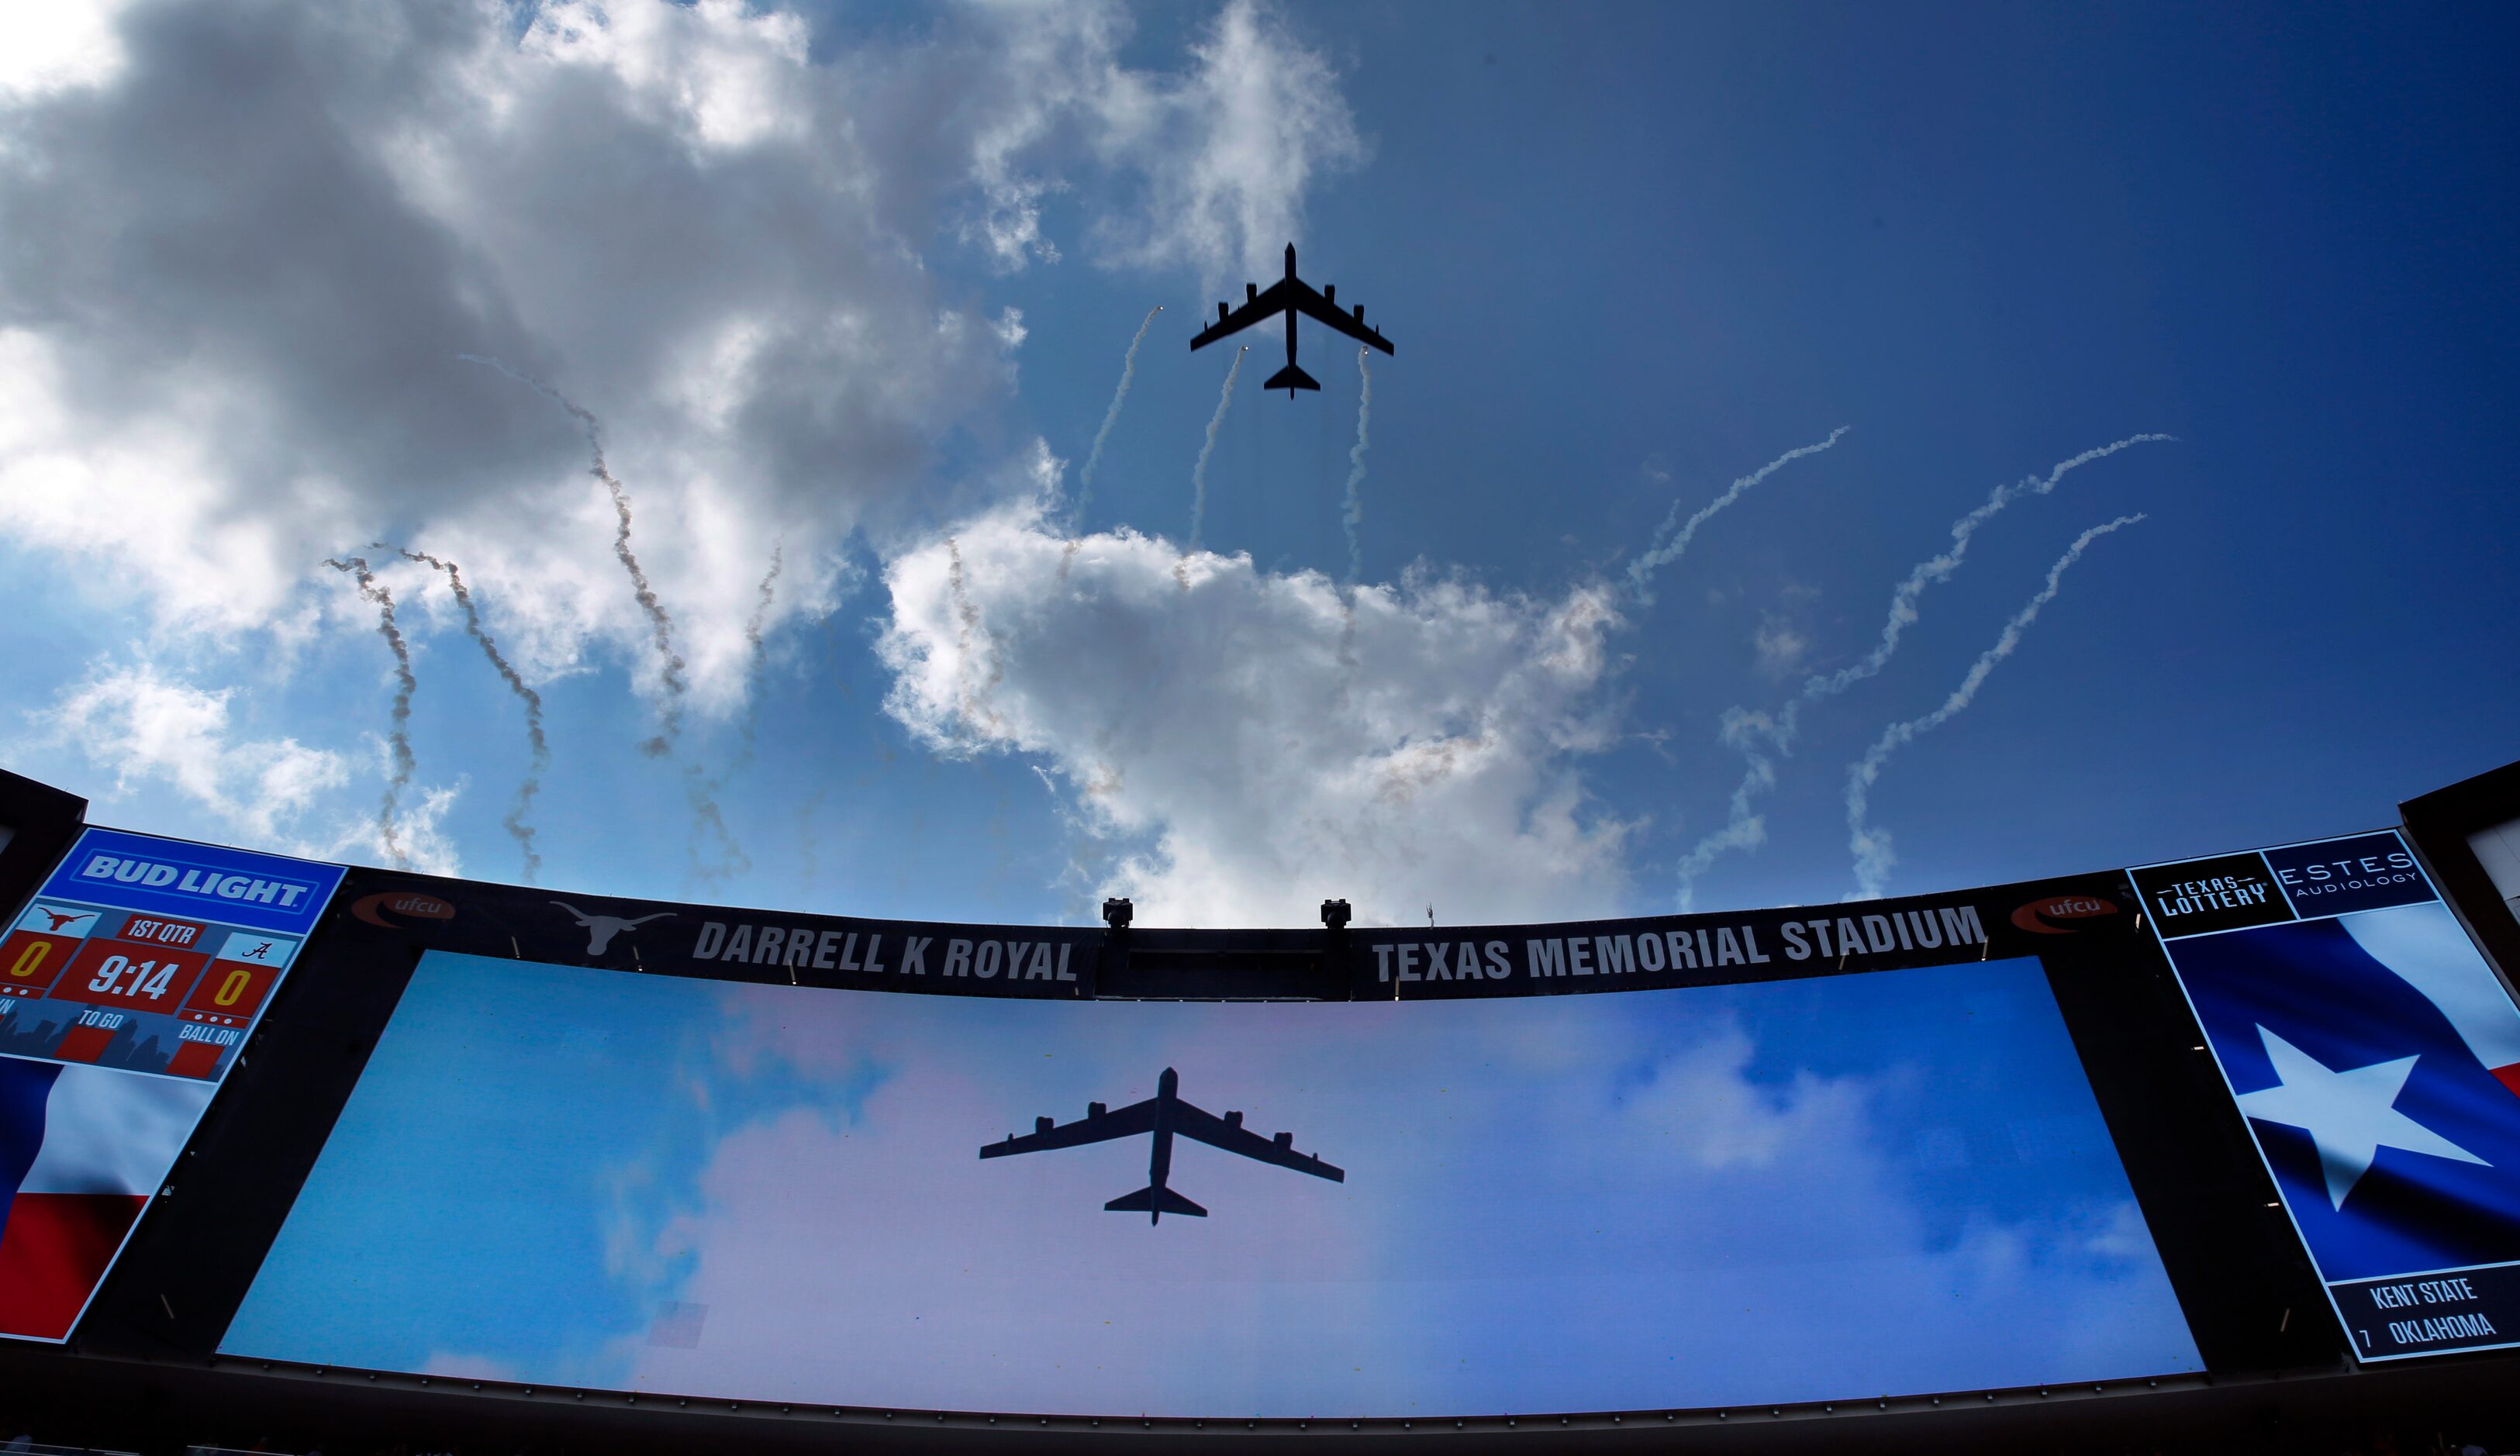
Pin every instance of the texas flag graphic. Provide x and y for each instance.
(82, 1148)
(2375, 1055)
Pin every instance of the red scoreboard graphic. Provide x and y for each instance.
(140, 993)
(127, 988)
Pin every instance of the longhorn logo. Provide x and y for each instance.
(601, 929)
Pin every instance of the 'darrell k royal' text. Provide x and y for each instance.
(803, 946)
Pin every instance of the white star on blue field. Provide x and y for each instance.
(2349, 1112)
(850, 299)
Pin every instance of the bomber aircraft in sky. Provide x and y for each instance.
(1291, 295)
(1163, 1114)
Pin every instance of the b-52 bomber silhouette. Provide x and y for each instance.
(1289, 295)
(1163, 1114)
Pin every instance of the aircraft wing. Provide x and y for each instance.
(1125, 1122)
(1314, 305)
(1234, 1138)
(1270, 301)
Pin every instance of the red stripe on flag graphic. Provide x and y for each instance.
(106, 1141)
(53, 1250)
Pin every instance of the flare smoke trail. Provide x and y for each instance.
(1093, 457)
(1673, 538)
(701, 792)
(1111, 416)
(704, 790)
(1352, 513)
(1352, 516)
(756, 649)
(516, 823)
(1903, 602)
(398, 735)
(671, 667)
(1198, 472)
(1743, 730)
(1742, 830)
(1872, 847)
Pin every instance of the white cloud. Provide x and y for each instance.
(421, 839)
(249, 240)
(145, 727)
(1230, 148)
(726, 78)
(45, 48)
(1268, 748)
(1781, 647)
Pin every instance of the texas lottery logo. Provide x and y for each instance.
(2225, 892)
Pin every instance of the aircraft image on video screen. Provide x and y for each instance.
(1895, 1181)
(1159, 1118)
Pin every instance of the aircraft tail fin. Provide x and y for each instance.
(1155, 1202)
(1290, 379)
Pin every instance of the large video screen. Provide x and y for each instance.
(1798, 1190)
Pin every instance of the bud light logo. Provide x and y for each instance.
(175, 880)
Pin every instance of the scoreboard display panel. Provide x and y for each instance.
(129, 985)
(1897, 1180)
(2377, 1059)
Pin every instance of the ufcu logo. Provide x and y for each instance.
(2036, 915)
(374, 909)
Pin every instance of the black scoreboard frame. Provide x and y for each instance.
(143, 1369)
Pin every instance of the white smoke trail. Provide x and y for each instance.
(1093, 457)
(1351, 518)
(1110, 417)
(670, 665)
(1903, 602)
(1672, 537)
(1872, 847)
(1744, 829)
(1198, 472)
(398, 733)
(516, 823)
(1744, 731)
(1352, 511)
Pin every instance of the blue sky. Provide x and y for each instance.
(847, 280)
(1793, 1190)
